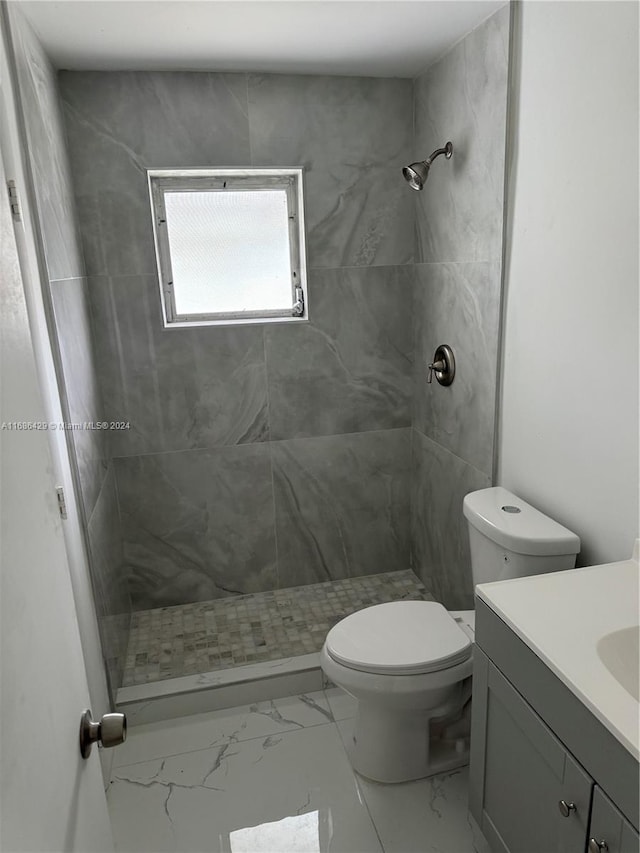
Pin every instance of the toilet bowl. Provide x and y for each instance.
(409, 663)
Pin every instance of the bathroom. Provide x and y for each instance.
(334, 460)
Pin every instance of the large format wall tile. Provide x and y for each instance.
(84, 401)
(179, 389)
(459, 220)
(352, 135)
(197, 525)
(49, 160)
(121, 123)
(459, 305)
(463, 98)
(333, 395)
(440, 544)
(111, 594)
(342, 505)
(347, 370)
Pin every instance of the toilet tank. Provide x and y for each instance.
(511, 539)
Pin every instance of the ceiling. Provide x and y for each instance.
(390, 38)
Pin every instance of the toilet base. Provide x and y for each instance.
(395, 748)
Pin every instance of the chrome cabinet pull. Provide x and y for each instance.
(566, 808)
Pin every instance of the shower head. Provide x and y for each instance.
(417, 173)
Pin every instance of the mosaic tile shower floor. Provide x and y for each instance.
(170, 642)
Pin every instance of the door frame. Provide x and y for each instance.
(33, 269)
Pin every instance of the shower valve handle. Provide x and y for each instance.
(443, 365)
(435, 365)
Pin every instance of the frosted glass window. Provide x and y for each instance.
(229, 250)
(230, 246)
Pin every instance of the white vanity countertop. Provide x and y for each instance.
(561, 616)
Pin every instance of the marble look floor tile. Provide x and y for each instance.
(428, 815)
(203, 731)
(291, 792)
(343, 706)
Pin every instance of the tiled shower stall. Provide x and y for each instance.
(307, 464)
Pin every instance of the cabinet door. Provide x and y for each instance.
(609, 828)
(522, 774)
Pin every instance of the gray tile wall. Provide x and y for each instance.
(67, 284)
(258, 457)
(265, 457)
(111, 593)
(457, 286)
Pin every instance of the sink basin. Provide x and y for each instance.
(620, 653)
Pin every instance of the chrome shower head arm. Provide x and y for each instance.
(447, 151)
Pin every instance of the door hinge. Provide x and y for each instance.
(62, 504)
(14, 201)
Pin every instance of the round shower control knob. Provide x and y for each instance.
(566, 808)
(443, 365)
(597, 846)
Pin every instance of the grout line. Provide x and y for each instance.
(452, 263)
(252, 444)
(225, 738)
(361, 792)
(451, 453)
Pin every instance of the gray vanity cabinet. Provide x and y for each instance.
(529, 778)
(540, 761)
(609, 828)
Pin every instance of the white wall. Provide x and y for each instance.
(23, 46)
(569, 420)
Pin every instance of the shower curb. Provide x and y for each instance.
(213, 691)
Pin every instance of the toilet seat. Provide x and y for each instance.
(399, 638)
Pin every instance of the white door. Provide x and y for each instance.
(50, 798)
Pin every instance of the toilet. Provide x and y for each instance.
(408, 663)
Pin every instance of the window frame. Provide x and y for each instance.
(161, 181)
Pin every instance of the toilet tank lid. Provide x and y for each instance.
(514, 524)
